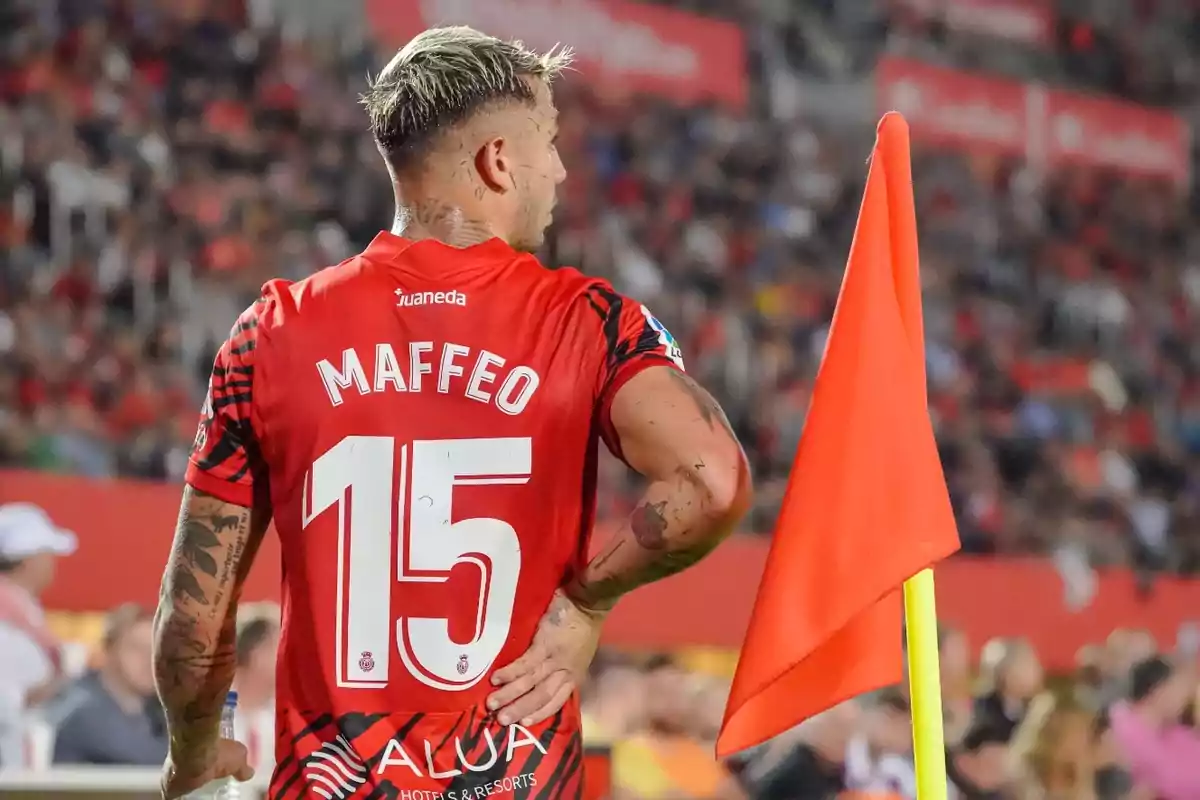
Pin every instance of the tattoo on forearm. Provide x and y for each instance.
(195, 627)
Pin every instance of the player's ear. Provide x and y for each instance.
(494, 165)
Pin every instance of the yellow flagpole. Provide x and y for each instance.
(925, 686)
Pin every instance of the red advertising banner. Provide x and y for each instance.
(956, 109)
(624, 46)
(125, 529)
(1047, 126)
(1108, 133)
(1027, 21)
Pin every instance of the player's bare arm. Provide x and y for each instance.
(676, 435)
(195, 625)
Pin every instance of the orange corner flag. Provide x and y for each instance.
(866, 505)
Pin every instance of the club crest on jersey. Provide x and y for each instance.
(664, 338)
(463, 664)
(367, 662)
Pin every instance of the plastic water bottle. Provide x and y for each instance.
(225, 788)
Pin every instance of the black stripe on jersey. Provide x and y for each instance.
(228, 447)
(599, 309)
(617, 349)
(471, 781)
(241, 473)
(647, 339)
(450, 733)
(243, 337)
(230, 400)
(384, 791)
(574, 771)
(315, 726)
(350, 726)
(535, 758)
(242, 349)
(247, 322)
(401, 734)
(235, 369)
(356, 723)
(231, 389)
(607, 304)
(407, 727)
(566, 770)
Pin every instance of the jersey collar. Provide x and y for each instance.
(387, 246)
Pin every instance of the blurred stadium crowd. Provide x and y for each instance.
(161, 159)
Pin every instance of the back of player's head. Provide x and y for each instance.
(441, 79)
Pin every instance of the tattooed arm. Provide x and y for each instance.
(195, 626)
(673, 432)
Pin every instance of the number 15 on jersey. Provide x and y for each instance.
(406, 521)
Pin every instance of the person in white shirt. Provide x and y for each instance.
(31, 669)
(879, 759)
(257, 646)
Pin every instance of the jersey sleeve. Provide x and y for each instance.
(226, 461)
(633, 340)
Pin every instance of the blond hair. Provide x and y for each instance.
(1053, 748)
(442, 78)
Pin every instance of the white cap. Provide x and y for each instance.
(26, 530)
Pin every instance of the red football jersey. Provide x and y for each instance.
(425, 421)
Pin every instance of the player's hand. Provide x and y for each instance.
(229, 760)
(539, 683)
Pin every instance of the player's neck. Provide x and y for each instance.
(446, 221)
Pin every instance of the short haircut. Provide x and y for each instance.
(889, 698)
(120, 619)
(659, 661)
(1146, 676)
(252, 635)
(442, 78)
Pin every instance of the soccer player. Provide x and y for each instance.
(422, 423)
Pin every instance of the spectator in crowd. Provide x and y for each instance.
(805, 762)
(257, 646)
(878, 758)
(954, 660)
(111, 715)
(1009, 685)
(978, 767)
(1111, 777)
(1124, 649)
(31, 664)
(613, 701)
(1162, 752)
(254, 682)
(672, 753)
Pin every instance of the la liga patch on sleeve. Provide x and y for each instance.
(670, 346)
